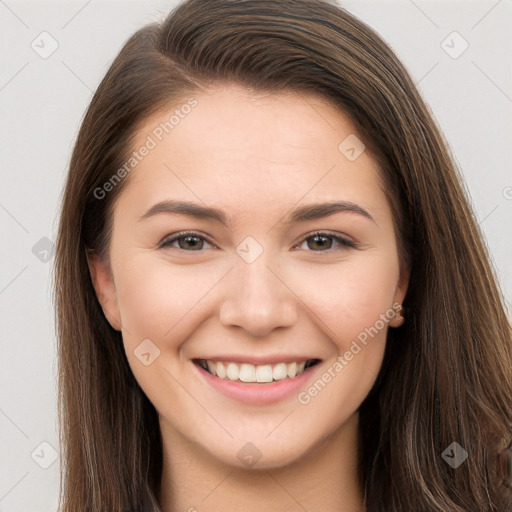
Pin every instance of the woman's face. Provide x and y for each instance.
(250, 289)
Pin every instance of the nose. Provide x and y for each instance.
(258, 299)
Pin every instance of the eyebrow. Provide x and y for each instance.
(301, 214)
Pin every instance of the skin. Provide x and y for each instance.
(256, 157)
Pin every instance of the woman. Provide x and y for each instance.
(214, 351)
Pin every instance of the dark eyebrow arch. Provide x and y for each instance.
(301, 214)
(320, 210)
(187, 208)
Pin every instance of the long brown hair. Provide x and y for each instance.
(446, 375)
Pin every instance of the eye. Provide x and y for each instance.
(320, 238)
(187, 241)
(194, 242)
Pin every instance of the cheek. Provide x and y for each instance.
(161, 303)
(348, 302)
(158, 299)
(349, 297)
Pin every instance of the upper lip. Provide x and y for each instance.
(259, 360)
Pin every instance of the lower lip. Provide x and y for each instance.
(258, 394)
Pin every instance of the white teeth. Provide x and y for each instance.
(232, 371)
(291, 370)
(264, 373)
(250, 373)
(280, 371)
(220, 371)
(247, 373)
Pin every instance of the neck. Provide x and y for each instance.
(324, 478)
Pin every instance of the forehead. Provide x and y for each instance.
(234, 143)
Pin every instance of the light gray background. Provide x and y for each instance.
(42, 101)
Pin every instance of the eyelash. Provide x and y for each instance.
(344, 242)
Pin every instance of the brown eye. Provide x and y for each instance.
(323, 242)
(190, 242)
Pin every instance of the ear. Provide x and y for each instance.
(400, 292)
(103, 282)
(402, 284)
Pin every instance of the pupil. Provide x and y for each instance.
(317, 237)
(187, 240)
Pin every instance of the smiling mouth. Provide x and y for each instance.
(249, 373)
